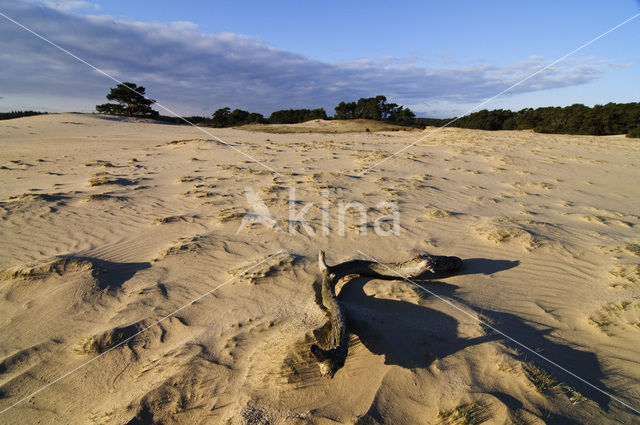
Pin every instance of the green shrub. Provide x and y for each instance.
(634, 132)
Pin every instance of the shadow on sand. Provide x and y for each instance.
(111, 275)
(413, 336)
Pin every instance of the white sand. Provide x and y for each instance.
(542, 222)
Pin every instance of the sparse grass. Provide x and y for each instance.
(438, 213)
(508, 366)
(233, 168)
(165, 220)
(103, 178)
(228, 214)
(203, 194)
(181, 142)
(373, 156)
(547, 385)
(616, 314)
(103, 197)
(204, 186)
(500, 236)
(465, 414)
(177, 248)
(314, 180)
(517, 418)
(187, 179)
(271, 190)
(627, 272)
(46, 197)
(58, 265)
(98, 163)
(100, 179)
(98, 344)
(601, 321)
(182, 245)
(258, 172)
(633, 248)
(389, 190)
(199, 193)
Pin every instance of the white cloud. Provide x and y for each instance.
(67, 5)
(202, 72)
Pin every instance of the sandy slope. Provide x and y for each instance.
(324, 126)
(546, 225)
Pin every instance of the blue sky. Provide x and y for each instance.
(439, 58)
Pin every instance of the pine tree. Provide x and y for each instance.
(131, 99)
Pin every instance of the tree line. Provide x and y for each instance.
(131, 100)
(18, 114)
(612, 118)
(225, 117)
(600, 120)
(372, 108)
(609, 119)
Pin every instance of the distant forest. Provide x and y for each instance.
(600, 120)
(18, 114)
(372, 108)
(609, 119)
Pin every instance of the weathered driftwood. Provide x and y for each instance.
(333, 339)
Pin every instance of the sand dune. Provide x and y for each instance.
(109, 225)
(324, 126)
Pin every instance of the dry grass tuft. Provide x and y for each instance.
(182, 245)
(617, 314)
(58, 265)
(99, 163)
(547, 385)
(465, 414)
(228, 214)
(170, 219)
(103, 197)
(633, 248)
(103, 178)
(100, 179)
(438, 213)
(98, 344)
